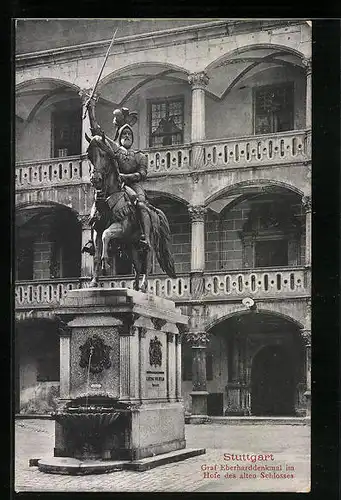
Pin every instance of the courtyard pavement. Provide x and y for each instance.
(288, 444)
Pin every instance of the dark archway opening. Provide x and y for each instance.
(272, 383)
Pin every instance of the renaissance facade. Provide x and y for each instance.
(224, 117)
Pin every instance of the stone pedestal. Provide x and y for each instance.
(119, 352)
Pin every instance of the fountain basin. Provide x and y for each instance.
(91, 432)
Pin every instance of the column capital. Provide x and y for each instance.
(83, 219)
(198, 80)
(306, 336)
(307, 64)
(306, 203)
(64, 329)
(197, 213)
(197, 339)
(158, 323)
(85, 94)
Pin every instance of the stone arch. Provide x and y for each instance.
(44, 204)
(266, 182)
(239, 50)
(163, 194)
(116, 73)
(225, 317)
(57, 81)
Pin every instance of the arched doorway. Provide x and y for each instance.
(272, 383)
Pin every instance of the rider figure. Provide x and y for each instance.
(132, 165)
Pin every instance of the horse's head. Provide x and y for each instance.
(100, 166)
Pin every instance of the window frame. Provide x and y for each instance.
(256, 89)
(167, 100)
(60, 111)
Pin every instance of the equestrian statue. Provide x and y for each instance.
(121, 214)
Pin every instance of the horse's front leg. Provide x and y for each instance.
(112, 232)
(146, 264)
(97, 240)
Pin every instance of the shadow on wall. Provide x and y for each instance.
(40, 399)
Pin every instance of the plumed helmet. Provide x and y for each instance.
(122, 116)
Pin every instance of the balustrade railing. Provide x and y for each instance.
(37, 173)
(171, 159)
(219, 153)
(257, 150)
(261, 283)
(52, 291)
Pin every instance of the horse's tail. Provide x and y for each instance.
(162, 243)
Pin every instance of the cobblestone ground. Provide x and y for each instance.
(290, 446)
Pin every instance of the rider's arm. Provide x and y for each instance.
(141, 171)
(94, 127)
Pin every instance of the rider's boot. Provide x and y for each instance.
(144, 220)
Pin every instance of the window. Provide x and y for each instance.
(66, 132)
(166, 122)
(274, 108)
(271, 253)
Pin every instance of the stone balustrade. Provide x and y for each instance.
(170, 159)
(239, 152)
(284, 147)
(47, 292)
(55, 171)
(263, 283)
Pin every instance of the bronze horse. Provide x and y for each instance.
(118, 225)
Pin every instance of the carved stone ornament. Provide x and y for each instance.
(307, 64)
(198, 80)
(64, 329)
(155, 352)
(306, 336)
(84, 220)
(306, 203)
(158, 323)
(197, 213)
(199, 339)
(142, 331)
(95, 354)
(127, 328)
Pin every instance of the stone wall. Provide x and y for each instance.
(38, 357)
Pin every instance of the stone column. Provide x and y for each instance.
(129, 362)
(197, 215)
(86, 258)
(178, 339)
(198, 342)
(306, 202)
(306, 335)
(307, 65)
(65, 358)
(198, 82)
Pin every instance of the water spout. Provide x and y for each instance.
(88, 376)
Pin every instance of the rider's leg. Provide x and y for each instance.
(144, 219)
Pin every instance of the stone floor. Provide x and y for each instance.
(289, 445)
